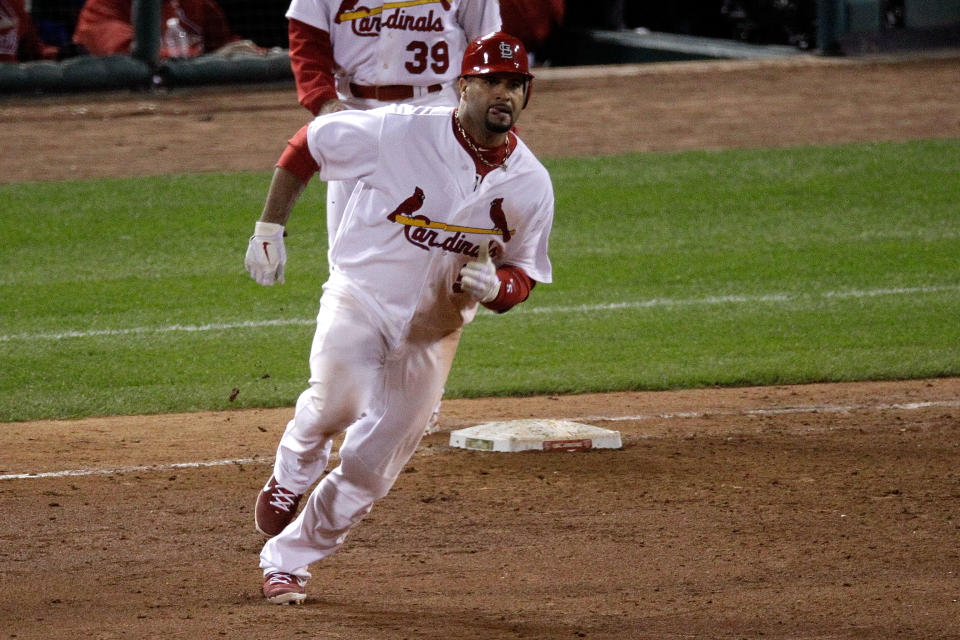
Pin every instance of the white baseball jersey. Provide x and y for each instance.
(404, 272)
(407, 42)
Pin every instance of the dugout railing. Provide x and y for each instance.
(843, 27)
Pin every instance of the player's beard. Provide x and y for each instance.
(496, 125)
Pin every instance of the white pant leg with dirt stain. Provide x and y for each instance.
(384, 396)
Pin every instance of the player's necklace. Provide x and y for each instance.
(476, 151)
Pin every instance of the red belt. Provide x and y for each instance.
(390, 92)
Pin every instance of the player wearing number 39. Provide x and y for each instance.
(347, 54)
(362, 55)
(451, 210)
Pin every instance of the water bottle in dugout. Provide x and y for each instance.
(176, 40)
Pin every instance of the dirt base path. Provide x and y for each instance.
(817, 511)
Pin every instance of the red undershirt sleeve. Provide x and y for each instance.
(296, 157)
(515, 287)
(311, 58)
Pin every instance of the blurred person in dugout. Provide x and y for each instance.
(532, 21)
(105, 28)
(19, 41)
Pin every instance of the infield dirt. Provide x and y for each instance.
(822, 511)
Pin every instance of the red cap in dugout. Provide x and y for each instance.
(497, 52)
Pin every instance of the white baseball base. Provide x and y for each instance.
(535, 435)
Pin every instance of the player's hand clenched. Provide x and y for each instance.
(266, 254)
(479, 278)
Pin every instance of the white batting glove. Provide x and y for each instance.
(479, 277)
(266, 254)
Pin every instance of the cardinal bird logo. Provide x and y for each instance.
(499, 219)
(408, 206)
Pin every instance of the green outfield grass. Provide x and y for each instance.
(671, 270)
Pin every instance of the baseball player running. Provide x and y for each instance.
(349, 55)
(451, 209)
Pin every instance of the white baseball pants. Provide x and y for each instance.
(382, 397)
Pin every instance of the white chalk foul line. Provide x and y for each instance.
(173, 328)
(905, 406)
(737, 299)
(108, 472)
(615, 306)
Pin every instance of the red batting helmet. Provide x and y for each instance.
(497, 52)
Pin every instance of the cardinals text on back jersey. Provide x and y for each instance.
(406, 42)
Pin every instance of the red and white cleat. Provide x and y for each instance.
(276, 508)
(284, 588)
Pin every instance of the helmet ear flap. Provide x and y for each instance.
(527, 88)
